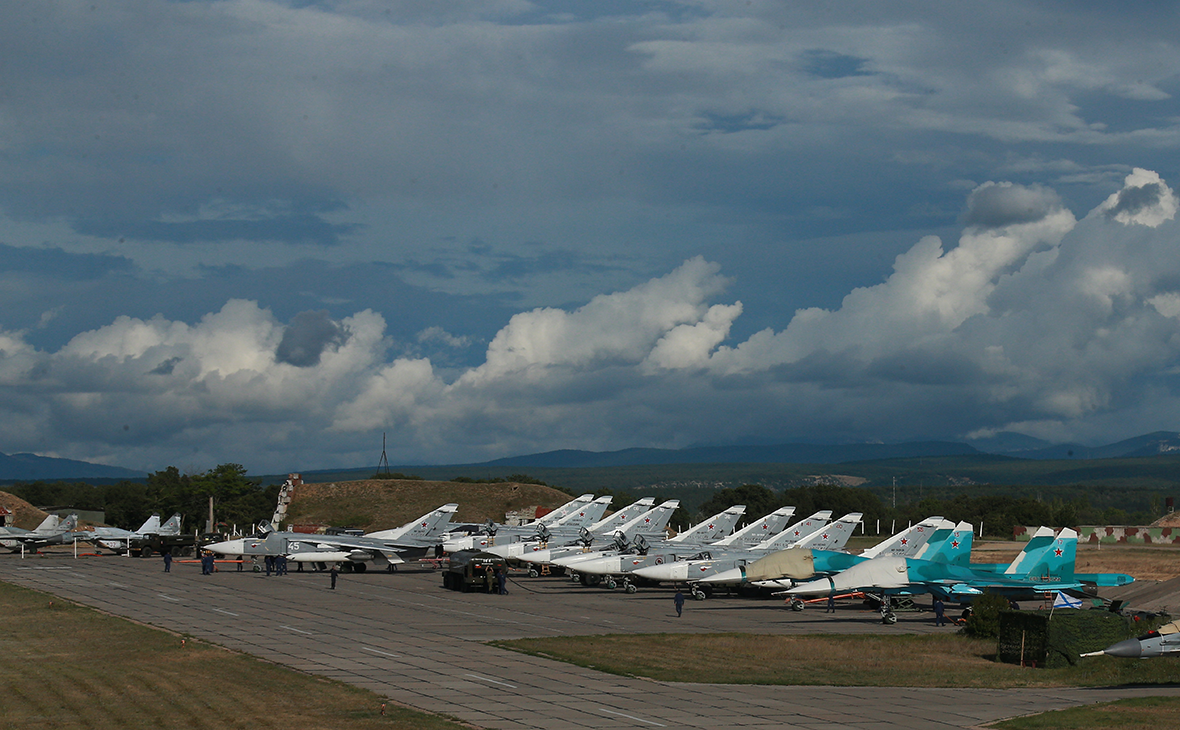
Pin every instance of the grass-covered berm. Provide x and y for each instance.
(68, 666)
(947, 660)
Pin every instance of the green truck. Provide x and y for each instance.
(472, 570)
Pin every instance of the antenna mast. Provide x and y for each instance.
(384, 463)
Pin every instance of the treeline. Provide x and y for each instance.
(237, 499)
(998, 514)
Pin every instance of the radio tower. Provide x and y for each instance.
(384, 463)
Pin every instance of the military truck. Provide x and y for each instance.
(147, 546)
(472, 570)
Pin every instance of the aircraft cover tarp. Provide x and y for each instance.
(797, 564)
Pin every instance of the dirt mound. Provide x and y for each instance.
(381, 504)
(1149, 595)
(26, 515)
(1172, 519)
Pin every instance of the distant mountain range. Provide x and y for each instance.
(30, 467)
(1004, 444)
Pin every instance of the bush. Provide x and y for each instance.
(984, 622)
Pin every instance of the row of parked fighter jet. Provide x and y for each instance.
(806, 558)
(630, 547)
(54, 530)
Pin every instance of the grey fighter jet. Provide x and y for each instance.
(387, 548)
(1164, 641)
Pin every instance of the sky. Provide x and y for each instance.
(269, 233)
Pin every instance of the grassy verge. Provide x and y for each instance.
(1146, 713)
(864, 661)
(69, 666)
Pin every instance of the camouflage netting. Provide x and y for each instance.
(1061, 641)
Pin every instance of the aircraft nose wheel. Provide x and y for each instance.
(796, 605)
(534, 573)
(889, 618)
(630, 588)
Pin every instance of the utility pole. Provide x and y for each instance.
(894, 492)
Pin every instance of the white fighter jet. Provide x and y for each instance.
(717, 559)
(566, 520)
(597, 532)
(611, 563)
(650, 525)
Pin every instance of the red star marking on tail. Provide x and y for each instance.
(1057, 552)
(904, 540)
(954, 543)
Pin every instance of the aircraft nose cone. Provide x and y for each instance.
(229, 547)
(1131, 648)
(601, 566)
(665, 572)
(571, 560)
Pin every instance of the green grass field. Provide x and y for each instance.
(68, 666)
(867, 661)
(74, 667)
(1147, 713)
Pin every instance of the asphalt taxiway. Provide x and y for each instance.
(406, 638)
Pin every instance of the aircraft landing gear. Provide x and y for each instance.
(888, 617)
(796, 604)
(610, 584)
(698, 594)
(534, 573)
(629, 587)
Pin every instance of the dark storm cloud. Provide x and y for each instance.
(996, 206)
(1133, 200)
(306, 338)
(832, 65)
(294, 228)
(61, 264)
(166, 367)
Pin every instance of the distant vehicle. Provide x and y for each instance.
(472, 570)
(170, 540)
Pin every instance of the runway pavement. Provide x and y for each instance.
(405, 637)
